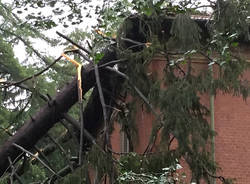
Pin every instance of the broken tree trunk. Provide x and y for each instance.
(34, 129)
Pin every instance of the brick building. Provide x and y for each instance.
(231, 122)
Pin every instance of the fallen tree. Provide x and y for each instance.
(179, 103)
(39, 124)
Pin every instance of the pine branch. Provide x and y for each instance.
(7, 84)
(146, 101)
(26, 43)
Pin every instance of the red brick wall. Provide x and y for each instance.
(232, 144)
(232, 124)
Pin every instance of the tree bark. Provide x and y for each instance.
(35, 128)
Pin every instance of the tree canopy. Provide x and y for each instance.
(49, 135)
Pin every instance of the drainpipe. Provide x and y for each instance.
(212, 121)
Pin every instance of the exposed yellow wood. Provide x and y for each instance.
(71, 60)
(79, 76)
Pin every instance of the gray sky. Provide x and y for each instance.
(56, 51)
(41, 46)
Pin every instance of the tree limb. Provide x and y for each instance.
(34, 129)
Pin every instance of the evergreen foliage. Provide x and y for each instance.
(179, 113)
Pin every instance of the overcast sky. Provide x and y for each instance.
(43, 47)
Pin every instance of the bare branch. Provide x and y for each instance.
(50, 148)
(85, 132)
(31, 154)
(62, 150)
(74, 43)
(135, 88)
(40, 153)
(112, 63)
(14, 173)
(99, 86)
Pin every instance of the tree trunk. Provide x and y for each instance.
(35, 128)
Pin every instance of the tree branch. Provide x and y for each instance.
(34, 129)
(30, 77)
(31, 154)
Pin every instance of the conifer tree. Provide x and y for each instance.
(129, 40)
